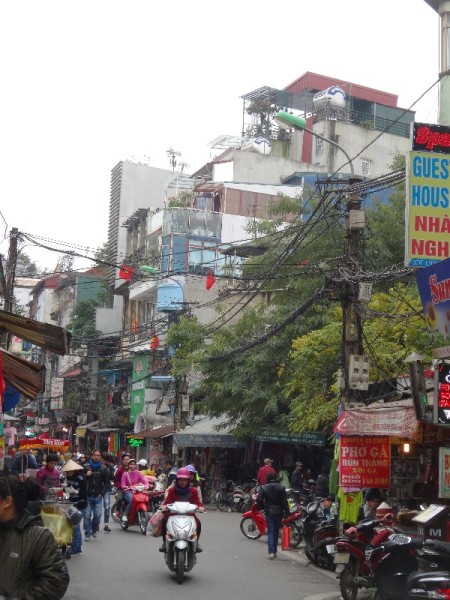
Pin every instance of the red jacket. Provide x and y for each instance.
(261, 478)
(172, 496)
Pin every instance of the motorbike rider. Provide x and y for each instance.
(195, 480)
(182, 491)
(118, 478)
(129, 480)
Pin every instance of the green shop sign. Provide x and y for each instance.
(308, 438)
(135, 442)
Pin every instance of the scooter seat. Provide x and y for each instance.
(438, 545)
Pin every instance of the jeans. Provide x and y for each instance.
(128, 497)
(273, 529)
(76, 539)
(106, 507)
(92, 515)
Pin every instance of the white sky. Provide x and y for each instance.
(87, 83)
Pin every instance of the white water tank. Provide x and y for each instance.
(334, 96)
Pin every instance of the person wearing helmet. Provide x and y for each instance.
(182, 491)
(129, 480)
(143, 468)
(195, 480)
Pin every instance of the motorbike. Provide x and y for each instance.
(231, 498)
(320, 535)
(253, 525)
(181, 538)
(138, 514)
(350, 554)
(396, 564)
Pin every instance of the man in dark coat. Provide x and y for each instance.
(97, 485)
(23, 461)
(273, 500)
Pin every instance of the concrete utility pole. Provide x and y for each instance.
(355, 365)
(7, 279)
(442, 7)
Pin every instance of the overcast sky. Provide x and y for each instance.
(86, 84)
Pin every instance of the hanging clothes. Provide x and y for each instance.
(349, 505)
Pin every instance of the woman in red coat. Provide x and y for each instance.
(182, 491)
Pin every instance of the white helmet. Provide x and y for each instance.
(142, 462)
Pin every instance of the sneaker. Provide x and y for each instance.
(199, 548)
(94, 534)
(76, 552)
(107, 529)
(162, 548)
(271, 556)
(87, 538)
(124, 519)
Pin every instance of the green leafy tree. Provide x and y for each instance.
(82, 324)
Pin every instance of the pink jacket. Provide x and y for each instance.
(130, 478)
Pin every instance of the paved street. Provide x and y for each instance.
(126, 564)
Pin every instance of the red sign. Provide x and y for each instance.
(45, 444)
(401, 422)
(364, 462)
(431, 138)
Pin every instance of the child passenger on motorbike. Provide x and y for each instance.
(128, 483)
(182, 491)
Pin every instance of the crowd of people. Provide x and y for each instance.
(86, 481)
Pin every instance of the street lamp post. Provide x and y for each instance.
(354, 363)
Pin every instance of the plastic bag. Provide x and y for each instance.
(60, 526)
(156, 522)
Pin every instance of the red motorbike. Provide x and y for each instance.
(138, 514)
(254, 525)
(352, 558)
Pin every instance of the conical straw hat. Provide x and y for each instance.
(71, 465)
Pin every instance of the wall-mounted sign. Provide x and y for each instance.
(434, 288)
(443, 394)
(364, 461)
(135, 442)
(444, 472)
(427, 209)
(431, 138)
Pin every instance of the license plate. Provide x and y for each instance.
(331, 549)
(341, 558)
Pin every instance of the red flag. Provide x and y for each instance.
(154, 342)
(126, 273)
(210, 281)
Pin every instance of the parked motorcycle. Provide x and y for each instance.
(181, 538)
(351, 559)
(253, 525)
(231, 498)
(395, 565)
(320, 534)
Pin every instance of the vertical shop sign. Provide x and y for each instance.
(444, 472)
(364, 461)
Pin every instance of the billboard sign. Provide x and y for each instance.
(364, 461)
(434, 288)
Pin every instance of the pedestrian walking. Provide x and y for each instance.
(31, 565)
(23, 461)
(273, 500)
(109, 464)
(97, 481)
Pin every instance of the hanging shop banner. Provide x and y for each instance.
(400, 422)
(364, 462)
(45, 444)
(434, 288)
(444, 473)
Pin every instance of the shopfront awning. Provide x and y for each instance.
(156, 432)
(207, 433)
(82, 429)
(399, 420)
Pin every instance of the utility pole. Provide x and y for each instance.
(7, 279)
(355, 365)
